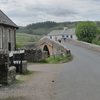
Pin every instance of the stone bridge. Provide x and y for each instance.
(52, 47)
(55, 48)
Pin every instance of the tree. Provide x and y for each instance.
(86, 31)
(97, 39)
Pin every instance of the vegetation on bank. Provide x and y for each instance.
(96, 40)
(88, 31)
(58, 59)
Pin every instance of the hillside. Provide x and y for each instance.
(23, 39)
(44, 28)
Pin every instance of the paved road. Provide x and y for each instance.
(79, 79)
(76, 80)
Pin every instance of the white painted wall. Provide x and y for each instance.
(60, 37)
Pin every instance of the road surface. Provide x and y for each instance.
(79, 79)
(76, 80)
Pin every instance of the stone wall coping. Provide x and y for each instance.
(86, 45)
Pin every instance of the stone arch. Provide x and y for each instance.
(45, 48)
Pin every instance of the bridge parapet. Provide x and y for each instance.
(85, 45)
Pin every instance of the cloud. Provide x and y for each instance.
(23, 12)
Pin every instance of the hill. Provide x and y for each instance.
(44, 28)
(23, 39)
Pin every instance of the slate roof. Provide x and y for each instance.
(5, 20)
(63, 32)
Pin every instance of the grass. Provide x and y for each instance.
(58, 59)
(17, 81)
(23, 39)
(21, 78)
(28, 73)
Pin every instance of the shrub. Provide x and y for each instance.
(86, 31)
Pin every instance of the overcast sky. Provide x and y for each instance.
(24, 12)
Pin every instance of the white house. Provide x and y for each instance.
(62, 34)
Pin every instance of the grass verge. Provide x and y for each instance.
(58, 59)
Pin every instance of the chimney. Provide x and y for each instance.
(65, 28)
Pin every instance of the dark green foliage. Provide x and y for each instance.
(97, 39)
(86, 31)
(42, 25)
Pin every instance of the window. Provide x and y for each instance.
(1, 37)
(50, 37)
(9, 46)
(71, 36)
(9, 37)
(62, 36)
(9, 40)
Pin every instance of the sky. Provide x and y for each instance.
(24, 12)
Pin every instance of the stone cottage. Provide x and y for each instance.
(7, 33)
(61, 34)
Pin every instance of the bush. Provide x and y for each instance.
(96, 40)
(86, 31)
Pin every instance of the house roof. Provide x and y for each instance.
(63, 32)
(5, 20)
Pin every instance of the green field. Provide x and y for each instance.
(23, 39)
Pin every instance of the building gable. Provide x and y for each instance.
(5, 20)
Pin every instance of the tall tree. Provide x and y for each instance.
(86, 31)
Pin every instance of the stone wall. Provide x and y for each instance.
(32, 55)
(7, 73)
(85, 45)
(24, 66)
(11, 74)
(4, 65)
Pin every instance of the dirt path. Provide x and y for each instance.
(37, 86)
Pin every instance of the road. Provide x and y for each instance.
(79, 79)
(76, 80)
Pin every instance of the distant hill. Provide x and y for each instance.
(44, 28)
